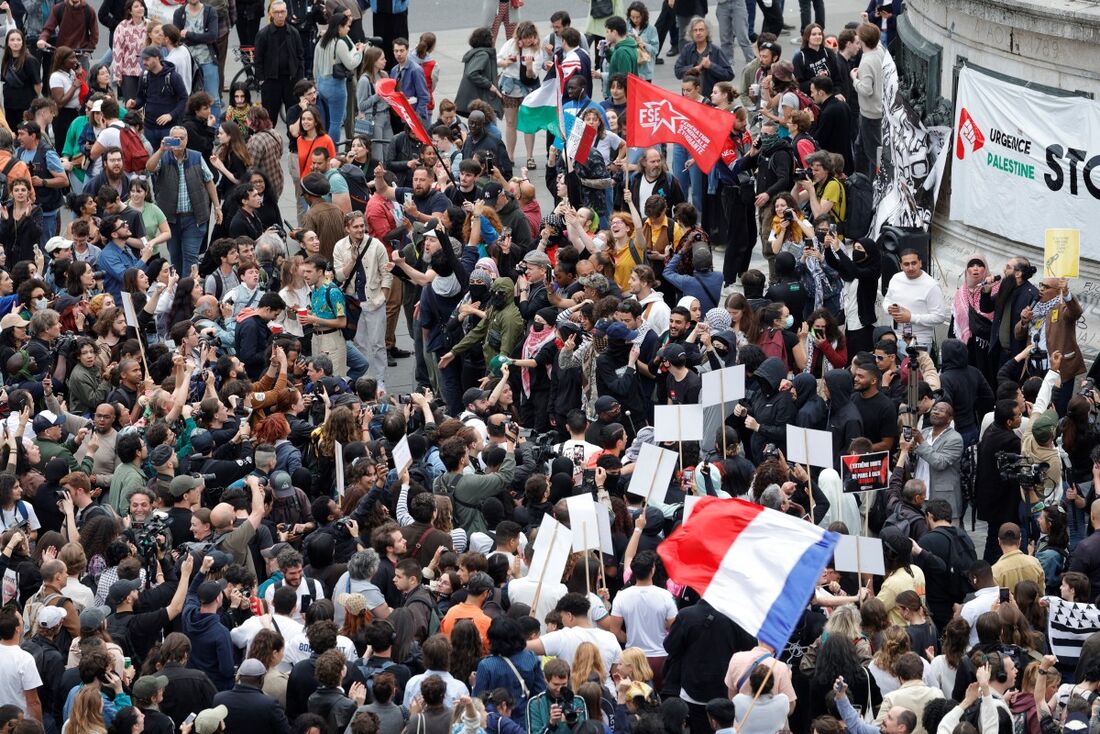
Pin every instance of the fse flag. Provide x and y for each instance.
(757, 566)
(657, 116)
(539, 109)
(399, 103)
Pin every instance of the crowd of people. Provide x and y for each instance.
(216, 517)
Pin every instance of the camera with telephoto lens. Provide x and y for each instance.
(208, 478)
(100, 274)
(788, 216)
(568, 710)
(152, 535)
(802, 173)
(544, 447)
(1016, 468)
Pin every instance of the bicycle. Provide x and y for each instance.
(246, 55)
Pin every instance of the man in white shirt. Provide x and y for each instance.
(655, 312)
(367, 279)
(306, 590)
(577, 449)
(281, 620)
(986, 595)
(437, 661)
(914, 299)
(19, 679)
(563, 643)
(647, 611)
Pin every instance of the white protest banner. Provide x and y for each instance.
(338, 451)
(678, 423)
(809, 446)
(857, 554)
(603, 525)
(553, 544)
(689, 505)
(128, 309)
(583, 523)
(402, 456)
(723, 386)
(652, 471)
(1023, 160)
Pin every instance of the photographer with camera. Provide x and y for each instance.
(556, 710)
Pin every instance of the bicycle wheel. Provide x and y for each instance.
(250, 82)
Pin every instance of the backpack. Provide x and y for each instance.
(20, 514)
(899, 519)
(357, 186)
(804, 146)
(119, 629)
(34, 606)
(859, 195)
(772, 344)
(4, 173)
(305, 600)
(960, 557)
(805, 103)
(369, 671)
(134, 155)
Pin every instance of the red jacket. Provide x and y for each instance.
(381, 218)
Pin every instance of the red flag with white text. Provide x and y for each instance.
(399, 103)
(655, 115)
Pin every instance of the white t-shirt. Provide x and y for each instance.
(564, 643)
(307, 587)
(298, 649)
(645, 610)
(579, 452)
(645, 190)
(64, 81)
(243, 635)
(19, 675)
(181, 58)
(14, 516)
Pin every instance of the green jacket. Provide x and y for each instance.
(127, 478)
(87, 389)
(538, 715)
(624, 57)
(468, 491)
(503, 326)
(50, 449)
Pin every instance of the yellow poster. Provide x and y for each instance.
(1062, 258)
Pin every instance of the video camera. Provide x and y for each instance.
(1017, 468)
(151, 536)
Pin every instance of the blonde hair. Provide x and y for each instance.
(895, 643)
(149, 31)
(639, 666)
(846, 622)
(587, 661)
(86, 716)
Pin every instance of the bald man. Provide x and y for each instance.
(232, 537)
(527, 199)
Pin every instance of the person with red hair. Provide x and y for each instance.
(275, 430)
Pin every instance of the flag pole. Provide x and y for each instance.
(542, 574)
(809, 469)
(587, 560)
(722, 399)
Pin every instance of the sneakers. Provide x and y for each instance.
(398, 353)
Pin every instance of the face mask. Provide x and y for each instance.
(788, 322)
(478, 292)
(537, 327)
(767, 139)
(499, 300)
(41, 304)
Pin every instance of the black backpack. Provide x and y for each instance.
(357, 186)
(960, 557)
(4, 173)
(859, 192)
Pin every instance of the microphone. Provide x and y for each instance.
(632, 428)
(996, 278)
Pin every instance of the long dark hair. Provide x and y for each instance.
(16, 59)
(182, 308)
(61, 57)
(236, 147)
(642, 9)
(832, 332)
(72, 277)
(332, 30)
(837, 656)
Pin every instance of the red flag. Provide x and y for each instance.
(387, 90)
(657, 116)
(580, 139)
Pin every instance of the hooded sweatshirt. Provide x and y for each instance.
(501, 331)
(966, 387)
(161, 94)
(772, 408)
(862, 277)
(812, 410)
(845, 421)
(211, 645)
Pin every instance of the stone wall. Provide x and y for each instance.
(1054, 44)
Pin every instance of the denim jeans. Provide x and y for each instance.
(50, 224)
(733, 24)
(357, 363)
(188, 237)
(333, 94)
(156, 134)
(691, 179)
(451, 377)
(212, 85)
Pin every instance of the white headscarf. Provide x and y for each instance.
(842, 507)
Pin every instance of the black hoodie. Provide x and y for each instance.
(845, 421)
(966, 388)
(867, 270)
(772, 408)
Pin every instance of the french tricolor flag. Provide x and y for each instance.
(755, 565)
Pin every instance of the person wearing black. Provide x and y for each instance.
(250, 709)
(880, 415)
(48, 659)
(864, 269)
(279, 61)
(253, 337)
(148, 693)
(967, 389)
(832, 131)
(772, 158)
(303, 681)
(771, 409)
(1015, 293)
(943, 580)
(996, 498)
(246, 222)
(788, 288)
(189, 689)
(678, 384)
(140, 631)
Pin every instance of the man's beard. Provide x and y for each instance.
(1004, 295)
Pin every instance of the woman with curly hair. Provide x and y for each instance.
(268, 646)
(489, 226)
(895, 643)
(466, 649)
(13, 509)
(96, 536)
(340, 425)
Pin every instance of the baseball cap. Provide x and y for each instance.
(1042, 428)
(181, 485)
(54, 244)
(473, 395)
(11, 320)
(120, 590)
(252, 668)
(147, 686)
(619, 330)
(161, 455)
(202, 440)
(208, 720)
(46, 420)
(605, 404)
(221, 560)
(273, 552)
(491, 191)
(537, 257)
(92, 618)
(150, 52)
(50, 617)
(281, 484)
(673, 351)
(210, 590)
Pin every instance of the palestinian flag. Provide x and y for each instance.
(539, 109)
